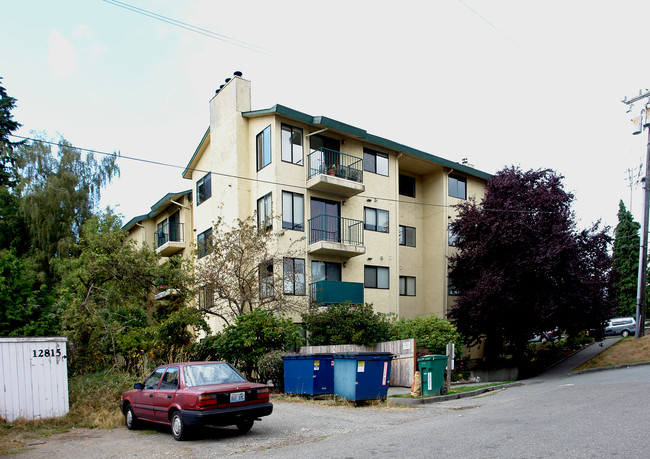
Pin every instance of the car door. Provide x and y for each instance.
(164, 396)
(143, 403)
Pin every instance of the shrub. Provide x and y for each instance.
(346, 323)
(207, 348)
(429, 332)
(253, 335)
(271, 368)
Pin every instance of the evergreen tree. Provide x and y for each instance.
(8, 160)
(12, 230)
(626, 261)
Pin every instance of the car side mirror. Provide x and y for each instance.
(137, 386)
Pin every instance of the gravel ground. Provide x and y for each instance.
(292, 422)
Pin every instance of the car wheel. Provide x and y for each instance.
(245, 426)
(178, 426)
(625, 333)
(130, 419)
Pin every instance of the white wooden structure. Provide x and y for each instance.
(33, 378)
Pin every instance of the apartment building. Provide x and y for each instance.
(167, 227)
(373, 213)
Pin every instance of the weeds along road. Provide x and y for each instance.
(601, 414)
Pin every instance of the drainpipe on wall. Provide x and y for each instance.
(397, 258)
(446, 293)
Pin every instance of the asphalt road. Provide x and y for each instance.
(593, 415)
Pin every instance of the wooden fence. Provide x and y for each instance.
(403, 364)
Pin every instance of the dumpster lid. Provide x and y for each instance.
(432, 357)
(350, 355)
(321, 355)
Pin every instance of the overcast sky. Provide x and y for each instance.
(500, 82)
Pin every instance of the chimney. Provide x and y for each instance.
(232, 96)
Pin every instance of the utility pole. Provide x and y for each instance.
(644, 122)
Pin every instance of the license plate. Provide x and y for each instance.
(237, 397)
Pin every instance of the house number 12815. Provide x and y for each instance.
(47, 353)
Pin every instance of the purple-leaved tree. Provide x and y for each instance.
(522, 267)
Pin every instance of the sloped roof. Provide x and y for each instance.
(362, 134)
(155, 209)
(350, 131)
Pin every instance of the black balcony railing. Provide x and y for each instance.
(332, 162)
(169, 232)
(331, 228)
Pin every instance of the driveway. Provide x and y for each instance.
(600, 414)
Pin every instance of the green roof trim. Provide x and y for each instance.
(196, 152)
(133, 221)
(321, 121)
(155, 209)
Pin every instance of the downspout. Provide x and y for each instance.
(446, 289)
(397, 258)
(145, 232)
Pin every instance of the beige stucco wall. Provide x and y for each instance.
(229, 151)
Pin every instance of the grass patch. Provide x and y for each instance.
(456, 390)
(627, 350)
(94, 403)
(334, 401)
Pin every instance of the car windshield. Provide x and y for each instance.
(211, 373)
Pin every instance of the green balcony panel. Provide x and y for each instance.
(333, 292)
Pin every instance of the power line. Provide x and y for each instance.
(191, 28)
(269, 182)
(486, 21)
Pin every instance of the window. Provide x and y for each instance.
(266, 280)
(170, 380)
(375, 162)
(453, 237)
(452, 290)
(323, 270)
(204, 242)
(406, 286)
(291, 144)
(203, 188)
(264, 148)
(406, 185)
(264, 213)
(375, 277)
(407, 236)
(161, 233)
(325, 221)
(293, 211)
(153, 380)
(457, 187)
(375, 219)
(294, 276)
(206, 298)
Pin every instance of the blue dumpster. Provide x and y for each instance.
(308, 374)
(362, 376)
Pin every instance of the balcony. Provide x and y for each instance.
(170, 239)
(335, 172)
(322, 293)
(332, 235)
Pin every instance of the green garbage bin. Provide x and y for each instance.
(432, 374)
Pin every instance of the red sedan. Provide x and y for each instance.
(183, 395)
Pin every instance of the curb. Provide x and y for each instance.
(445, 398)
